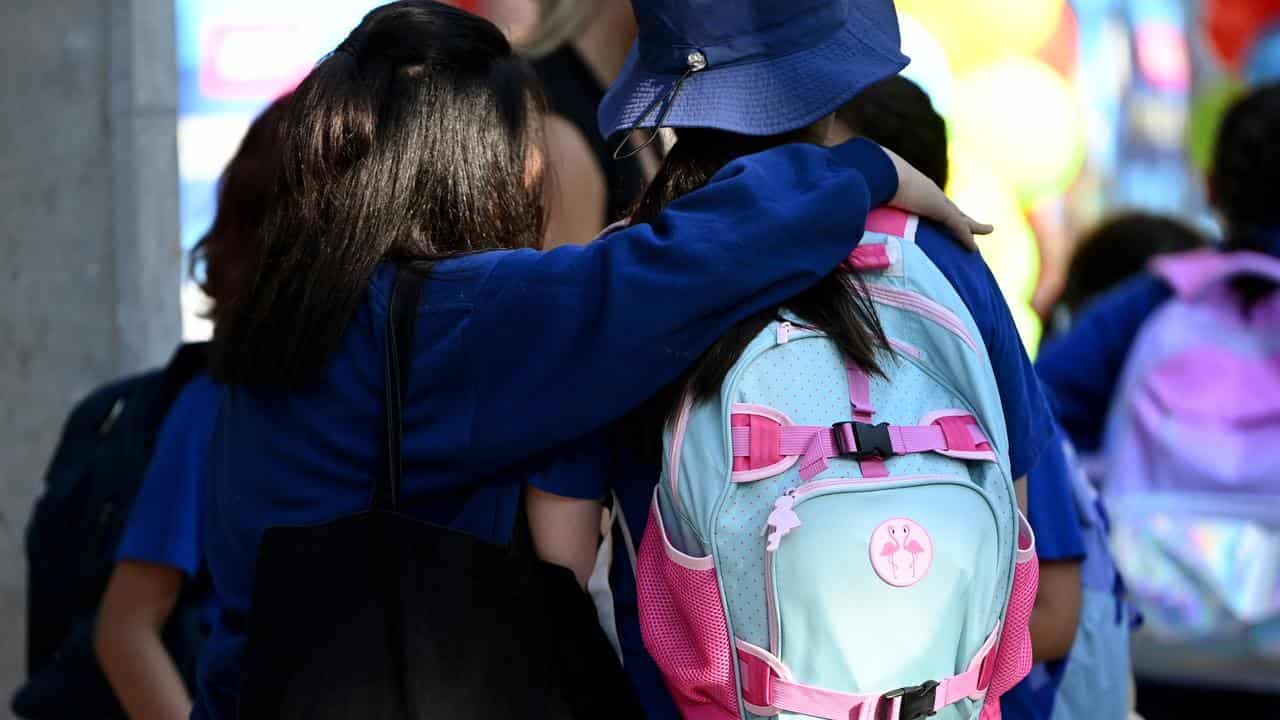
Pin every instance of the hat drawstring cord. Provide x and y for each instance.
(696, 62)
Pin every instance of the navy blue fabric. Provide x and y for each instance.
(771, 67)
(1053, 516)
(1030, 424)
(1033, 698)
(164, 523)
(519, 352)
(1051, 505)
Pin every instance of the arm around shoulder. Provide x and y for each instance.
(599, 328)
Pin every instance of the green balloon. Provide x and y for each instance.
(1207, 108)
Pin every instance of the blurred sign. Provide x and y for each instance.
(234, 57)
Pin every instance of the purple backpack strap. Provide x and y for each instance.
(1191, 273)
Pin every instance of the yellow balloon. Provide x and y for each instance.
(980, 31)
(1026, 120)
(1010, 251)
(1030, 329)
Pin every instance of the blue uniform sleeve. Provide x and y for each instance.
(1027, 416)
(580, 335)
(579, 470)
(164, 524)
(1081, 367)
(1051, 502)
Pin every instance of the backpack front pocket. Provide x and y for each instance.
(903, 580)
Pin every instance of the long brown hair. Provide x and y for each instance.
(414, 139)
(223, 257)
(838, 305)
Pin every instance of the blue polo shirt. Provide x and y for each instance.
(1030, 429)
(164, 522)
(164, 526)
(519, 352)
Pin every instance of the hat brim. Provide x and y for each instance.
(758, 98)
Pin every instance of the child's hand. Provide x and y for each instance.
(918, 194)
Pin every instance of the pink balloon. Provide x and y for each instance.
(1162, 56)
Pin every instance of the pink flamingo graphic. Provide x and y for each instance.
(912, 546)
(891, 548)
(783, 520)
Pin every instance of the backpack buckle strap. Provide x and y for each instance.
(916, 702)
(768, 688)
(863, 440)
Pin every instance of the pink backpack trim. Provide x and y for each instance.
(1192, 273)
(768, 688)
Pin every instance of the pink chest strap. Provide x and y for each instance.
(767, 687)
(952, 434)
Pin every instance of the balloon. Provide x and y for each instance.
(1163, 56)
(929, 67)
(1026, 120)
(1207, 108)
(1011, 250)
(1030, 329)
(979, 31)
(1263, 65)
(1234, 24)
(1062, 50)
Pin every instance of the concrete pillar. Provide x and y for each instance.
(89, 252)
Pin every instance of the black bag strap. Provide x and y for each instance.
(398, 363)
(398, 359)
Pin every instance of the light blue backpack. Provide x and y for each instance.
(831, 545)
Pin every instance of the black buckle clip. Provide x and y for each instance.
(917, 701)
(869, 441)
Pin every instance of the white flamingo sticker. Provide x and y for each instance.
(901, 552)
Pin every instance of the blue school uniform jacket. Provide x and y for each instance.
(519, 352)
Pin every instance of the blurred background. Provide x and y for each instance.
(1059, 112)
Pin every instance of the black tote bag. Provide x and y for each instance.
(382, 617)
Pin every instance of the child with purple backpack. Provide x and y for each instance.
(1173, 379)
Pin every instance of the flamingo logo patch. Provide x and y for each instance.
(901, 552)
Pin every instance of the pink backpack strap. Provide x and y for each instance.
(762, 447)
(884, 221)
(769, 687)
(1192, 273)
(893, 222)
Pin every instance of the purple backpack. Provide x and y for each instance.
(1192, 477)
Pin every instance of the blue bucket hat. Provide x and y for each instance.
(756, 67)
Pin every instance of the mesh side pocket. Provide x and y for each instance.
(684, 626)
(1013, 657)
